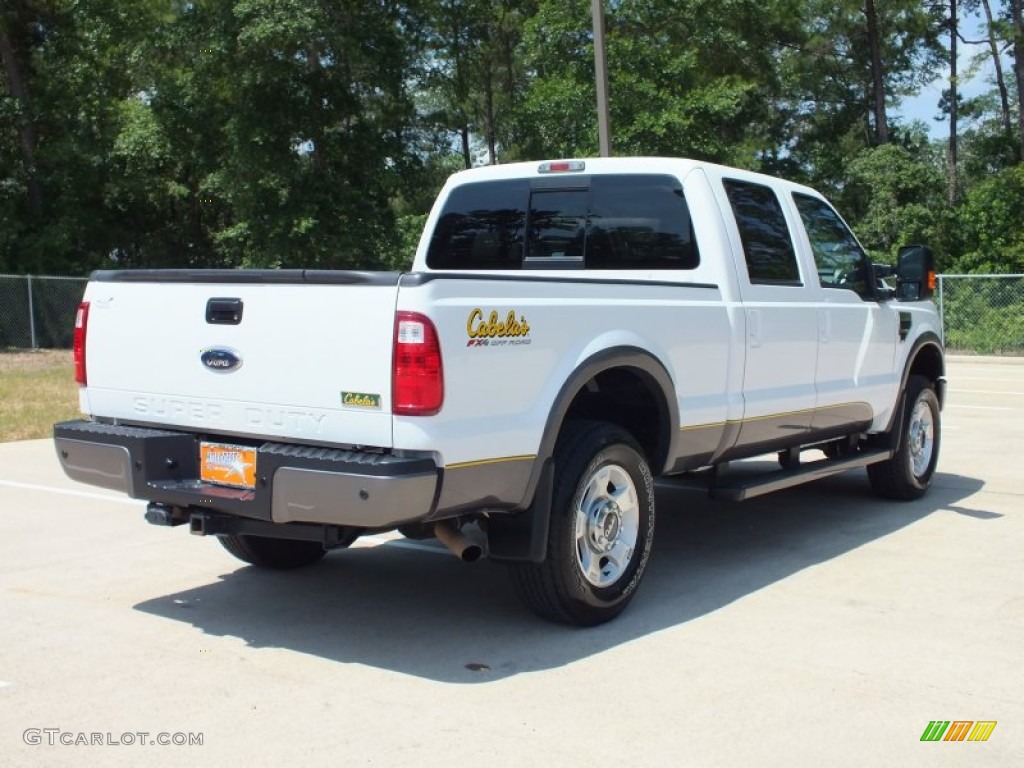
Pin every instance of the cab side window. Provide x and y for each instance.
(482, 227)
(767, 243)
(639, 222)
(838, 257)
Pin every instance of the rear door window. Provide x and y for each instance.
(767, 242)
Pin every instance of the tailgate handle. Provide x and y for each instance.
(221, 311)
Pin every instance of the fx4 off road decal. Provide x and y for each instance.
(493, 331)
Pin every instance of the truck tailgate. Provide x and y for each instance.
(308, 359)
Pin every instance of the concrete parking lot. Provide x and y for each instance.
(816, 627)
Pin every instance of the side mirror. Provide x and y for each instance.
(915, 272)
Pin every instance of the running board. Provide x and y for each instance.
(721, 486)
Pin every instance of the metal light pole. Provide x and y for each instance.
(601, 69)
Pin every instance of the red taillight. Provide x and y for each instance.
(417, 378)
(81, 325)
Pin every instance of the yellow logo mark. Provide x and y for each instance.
(479, 328)
(360, 400)
(982, 730)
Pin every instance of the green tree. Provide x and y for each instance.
(855, 62)
(22, 139)
(1015, 9)
(304, 105)
(472, 71)
(67, 69)
(316, 132)
(206, 133)
(995, 54)
(694, 78)
(903, 198)
(990, 221)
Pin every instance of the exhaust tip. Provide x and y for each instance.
(458, 544)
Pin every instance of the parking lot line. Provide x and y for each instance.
(987, 378)
(977, 407)
(68, 492)
(372, 540)
(982, 392)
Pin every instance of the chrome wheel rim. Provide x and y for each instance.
(607, 525)
(921, 438)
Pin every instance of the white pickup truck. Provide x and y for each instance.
(570, 331)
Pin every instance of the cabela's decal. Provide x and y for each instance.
(360, 400)
(493, 331)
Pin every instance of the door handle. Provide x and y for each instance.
(754, 327)
(223, 311)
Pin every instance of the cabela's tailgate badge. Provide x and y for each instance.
(364, 400)
(220, 359)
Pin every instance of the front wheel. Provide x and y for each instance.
(277, 554)
(907, 475)
(601, 529)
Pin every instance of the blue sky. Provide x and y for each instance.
(924, 106)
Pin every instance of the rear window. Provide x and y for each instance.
(558, 225)
(598, 222)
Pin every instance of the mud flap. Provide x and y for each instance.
(523, 537)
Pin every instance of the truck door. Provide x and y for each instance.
(781, 322)
(855, 376)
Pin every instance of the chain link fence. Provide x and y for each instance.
(38, 312)
(982, 314)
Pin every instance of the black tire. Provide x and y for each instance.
(907, 475)
(278, 554)
(590, 578)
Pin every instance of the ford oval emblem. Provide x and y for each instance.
(221, 359)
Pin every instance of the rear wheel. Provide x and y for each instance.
(278, 554)
(601, 530)
(909, 472)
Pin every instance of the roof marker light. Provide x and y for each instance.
(562, 166)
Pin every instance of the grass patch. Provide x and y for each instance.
(36, 389)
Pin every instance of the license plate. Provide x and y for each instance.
(233, 465)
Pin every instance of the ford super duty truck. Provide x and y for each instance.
(569, 332)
